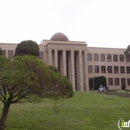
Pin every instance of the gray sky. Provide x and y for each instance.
(101, 23)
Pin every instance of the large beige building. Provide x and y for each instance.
(80, 63)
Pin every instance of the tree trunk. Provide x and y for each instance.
(4, 116)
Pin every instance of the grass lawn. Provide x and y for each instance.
(85, 111)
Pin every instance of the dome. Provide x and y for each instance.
(59, 37)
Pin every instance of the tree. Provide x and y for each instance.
(28, 79)
(127, 53)
(63, 87)
(1, 52)
(27, 48)
(53, 68)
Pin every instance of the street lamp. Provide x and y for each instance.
(108, 70)
(93, 85)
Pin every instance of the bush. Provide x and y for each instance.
(123, 87)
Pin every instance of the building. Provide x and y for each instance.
(80, 63)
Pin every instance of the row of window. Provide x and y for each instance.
(11, 54)
(107, 57)
(109, 69)
(117, 81)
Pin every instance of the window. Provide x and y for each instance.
(90, 69)
(122, 69)
(10, 53)
(4, 52)
(96, 69)
(115, 57)
(117, 81)
(110, 81)
(96, 57)
(116, 69)
(123, 81)
(109, 69)
(128, 70)
(102, 56)
(103, 69)
(89, 55)
(109, 57)
(41, 55)
(121, 58)
(128, 81)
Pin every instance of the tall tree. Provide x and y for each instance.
(27, 48)
(127, 53)
(28, 78)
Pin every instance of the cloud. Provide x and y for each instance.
(98, 22)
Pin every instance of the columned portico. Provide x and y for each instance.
(70, 59)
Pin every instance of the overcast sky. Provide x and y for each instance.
(101, 23)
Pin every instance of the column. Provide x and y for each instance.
(49, 57)
(72, 69)
(86, 72)
(81, 71)
(45, 55)
(6, 53)
(64, 62)
(56, 58)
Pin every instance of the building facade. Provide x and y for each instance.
(80, 63)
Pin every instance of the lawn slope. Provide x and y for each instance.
(85, 111)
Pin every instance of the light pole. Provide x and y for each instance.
(108, 73)
(93, 85)
(108, 70)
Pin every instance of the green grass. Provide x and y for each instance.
(85, 111)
